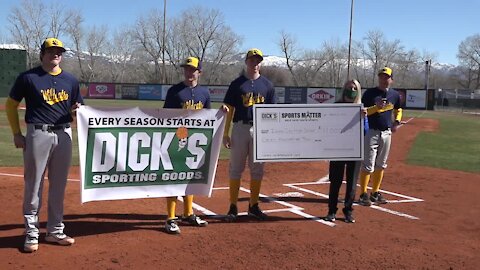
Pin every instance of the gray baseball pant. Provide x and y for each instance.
(52, 151)
(242, 148)
(377, 148)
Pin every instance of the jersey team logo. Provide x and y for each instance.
(250, 99)
(52, 97)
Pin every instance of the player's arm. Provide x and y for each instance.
(226, 137)
(372, 109)
(11, 107)
(398, 115)
(228, 122)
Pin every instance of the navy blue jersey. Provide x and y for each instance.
(243, 93)
(48, 97)
(381, 120)
(181, 96)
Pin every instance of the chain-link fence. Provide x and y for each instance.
(457, 100)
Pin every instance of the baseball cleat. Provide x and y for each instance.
(59, 238)
(348, 216)
(254, 211)
(31, 244)
(364, 200)
(172, 227)
(330, 217)
(232, 213)
(195, 220)
(377, 197)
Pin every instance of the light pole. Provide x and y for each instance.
(163, 41)
(350, 41)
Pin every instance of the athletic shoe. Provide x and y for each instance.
(195, 220)
(364, 200)
(232, 213)
(59, 238)
(330, 217)
(349, 218)
(254, 211)
(31, 244)
(172, 227)
(377, 198)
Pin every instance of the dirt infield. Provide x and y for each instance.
(431, 223)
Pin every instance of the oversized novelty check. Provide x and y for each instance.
(307, 132)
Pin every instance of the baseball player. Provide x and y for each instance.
(187, 94)
(245, 91)
(352, 93)
(51, 96)
(384, 116)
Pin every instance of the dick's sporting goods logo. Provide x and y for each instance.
(147, 156)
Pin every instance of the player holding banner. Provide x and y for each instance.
(187, 94)
(51, 95)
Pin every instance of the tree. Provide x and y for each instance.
(380, 52)
(148, 32)
(288, 46)
(205, 35)
(469, 58)
(121, 52)
(335, 55)
(29, 26)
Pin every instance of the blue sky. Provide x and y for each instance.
(434, 26)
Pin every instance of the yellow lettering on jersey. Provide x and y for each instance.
(249, 99)
(51, 96)
(191, 105)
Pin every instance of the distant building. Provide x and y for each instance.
(13, 60)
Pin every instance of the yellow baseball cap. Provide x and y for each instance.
(386, 70)
(52, 42)
(192, 62)
(254, 52)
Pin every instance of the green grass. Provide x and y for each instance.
(455, 146)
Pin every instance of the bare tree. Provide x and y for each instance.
(308, 69)
(205, 35)
(95, 42)
(75, 30)
(335, 54)
(148, 32)
(380, 52)
(469, 58)
(59, 18)
(28, 27)
(121, 52)
(288, 46)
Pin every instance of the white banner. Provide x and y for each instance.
(416, 99)
(299, 132)
(143, 153)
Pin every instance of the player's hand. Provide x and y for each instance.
(225, 108)
(227, 142)
(364, 112)
(397, 124)
(19, 140)
(73, 109)
(381, 102)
